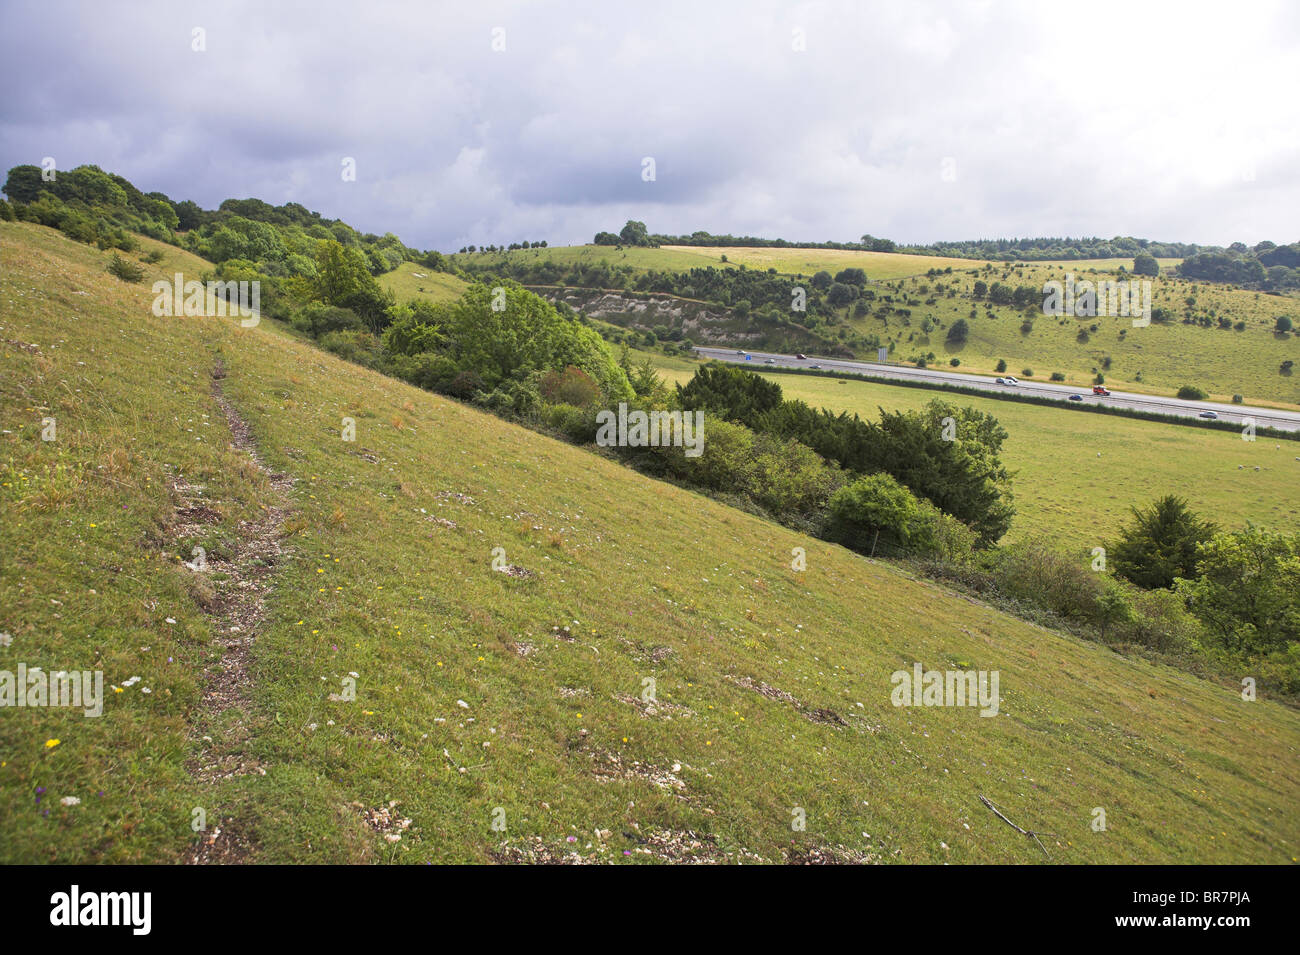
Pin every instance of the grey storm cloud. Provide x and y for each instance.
(491, 123)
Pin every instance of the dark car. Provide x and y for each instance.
(1076, 397)
(801, 355)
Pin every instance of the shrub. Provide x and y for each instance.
(1026, 373)
(124, 270)
(318, 319)
(427, 370)
(1034, 573)
(573, 386)
(465, 385)
(877, 509)
(1058, 376)
(1191, 393)
(356, 345)
(1161, 622)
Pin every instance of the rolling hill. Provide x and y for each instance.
(507, 714)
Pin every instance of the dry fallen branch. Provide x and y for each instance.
(1024, 832)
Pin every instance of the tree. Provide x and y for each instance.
(962, 477)
(1160, 544)
(1144, 263)
(852, 276)
(1283, 324)
(634, 233)
(877, 508)
(343, 278)
(1002, 365)
(1247, 589)
(731, 392)
(24, 183)
(821, 281)
(507, 333)
(840, 294)
(958, 332)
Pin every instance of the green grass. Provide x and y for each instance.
(877, 265)
(788, 261)
(1077, 474)
(652, 581)
(411, 280)
(1156, 359)
(640, 259)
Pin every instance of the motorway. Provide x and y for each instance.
(1263, 417)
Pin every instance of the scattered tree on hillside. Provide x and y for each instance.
(1144, 263)
(1160, 544)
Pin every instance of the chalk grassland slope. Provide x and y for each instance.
(1157, 359)
(410, 280)
(773, 685)
(877, 265)
(1077, 474)
(641, 259)
(788, 261)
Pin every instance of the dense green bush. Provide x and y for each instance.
(876, 509)
(124, 270)
(1160, 544)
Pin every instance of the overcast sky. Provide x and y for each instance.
(909, 120)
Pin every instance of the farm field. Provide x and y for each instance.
(483, 695)
(1077, 473)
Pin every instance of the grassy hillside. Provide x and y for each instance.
(1077, 474)
(641, 259)
(478, 690)
(1158, 358)
(877, 265)
(410, 280)
(788, 261)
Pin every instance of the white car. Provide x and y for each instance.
(1011, 381)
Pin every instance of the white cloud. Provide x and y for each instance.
(1167, 120)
